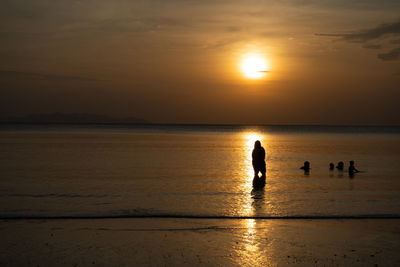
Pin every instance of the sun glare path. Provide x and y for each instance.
(251, 138)
(254, 67)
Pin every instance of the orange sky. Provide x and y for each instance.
(330, 62)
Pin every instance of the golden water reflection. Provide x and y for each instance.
(250, 250)
(247, 140)
(251, 202)
(249, 236)
(254, 247)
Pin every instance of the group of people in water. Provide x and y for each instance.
(258, 161)
(340, 166)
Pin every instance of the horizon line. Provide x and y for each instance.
(170, 216)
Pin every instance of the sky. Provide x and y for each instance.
(181, 61)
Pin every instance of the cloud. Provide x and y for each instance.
(125, 25)
(222, 43)
(330, 34)
(391, 55)
(233, 29)
(372, 46)
(377, 34)
(383, 30)
(6, 74)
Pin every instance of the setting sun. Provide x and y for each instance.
(254, 67)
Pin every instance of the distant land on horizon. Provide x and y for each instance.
(70, 118)
(91, 118)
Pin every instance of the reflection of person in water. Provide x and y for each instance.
(258, 203)
(258, 160)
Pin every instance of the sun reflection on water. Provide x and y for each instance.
(247, 172)
(252, 205)
(251, 137)
(250, 235)
(254, 250)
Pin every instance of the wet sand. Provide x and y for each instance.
(199, 242)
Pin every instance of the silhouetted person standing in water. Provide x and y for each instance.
(258, 160)
(306, 167)
(331, 166)
(352, 169)
(340, 166)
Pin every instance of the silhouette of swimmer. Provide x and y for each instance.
(352, 169)
(340, 166)
(258, 160)
(306, 166)
(331, 166)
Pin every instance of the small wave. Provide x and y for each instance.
(59, 195)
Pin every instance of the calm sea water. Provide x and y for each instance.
(122, 170)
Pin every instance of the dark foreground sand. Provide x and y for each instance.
(199, 242)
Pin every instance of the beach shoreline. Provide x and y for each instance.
(199, 242)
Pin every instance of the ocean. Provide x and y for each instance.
(196, 171)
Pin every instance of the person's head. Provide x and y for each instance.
(306, 164)
(340, 165)
(257, 144)
(351, 162)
